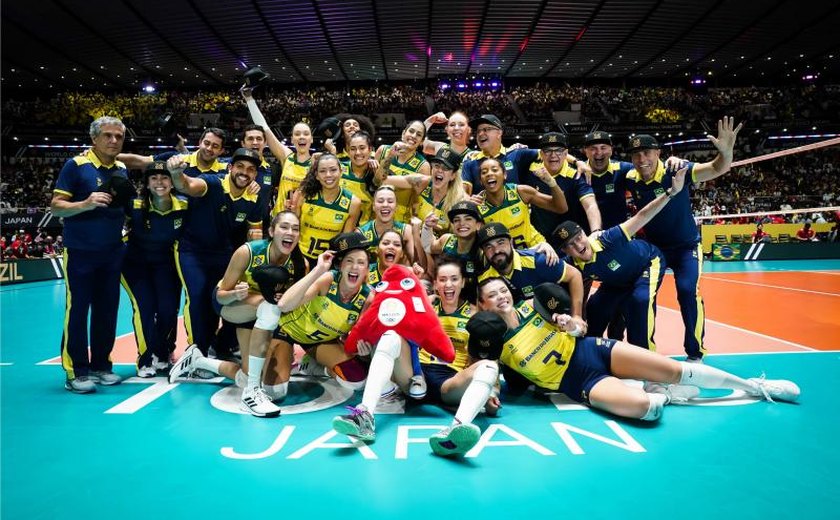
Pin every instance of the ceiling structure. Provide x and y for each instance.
(126, 44)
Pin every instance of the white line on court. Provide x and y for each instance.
(707, 277)
(746, 331)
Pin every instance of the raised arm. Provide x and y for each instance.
(278, 149)
(725, 143)
(192, 186)
(555, 202)
(316, 282)
(134, 161)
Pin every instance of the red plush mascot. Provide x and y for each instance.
(400, 304)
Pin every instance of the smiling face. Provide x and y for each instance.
(354, 269)
(488, 137)
(495, 296)
(465, 226)
(390, 249)
(599, 156)
(449, 282)
(458, 129)
(242, 173)
(384, 205)
(492, 175)
(499, 252)
(350, 127)
(329, 172)
(553, 158)
(210, 147)
(254, 140)
(442, 176)
(285, 231)
(414, 134)
(645, 162)
(359, 150)
(302, 137)
(579, 247)
(160, 184)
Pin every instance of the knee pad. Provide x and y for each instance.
(350, 371)
(389, 344)
(486, 372)
(278, 391)
(655, 406)
(268, 316)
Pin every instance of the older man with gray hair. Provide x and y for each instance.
(90, 195)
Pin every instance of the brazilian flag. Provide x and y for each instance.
(726, 252)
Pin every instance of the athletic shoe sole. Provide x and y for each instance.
(459, 441)
(346, 427)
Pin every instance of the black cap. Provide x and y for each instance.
(465, 207)
(491, 231)
(447, 157)
(271, 279)
(246, 154)
(329, 127)
(254, 76)
(597, 137)
(553, 140)
(566, 232)
(346, 242)
(550, 299)
(487, 332)
(157, 168)
(489, 119)
(121, 189)
(642, 142)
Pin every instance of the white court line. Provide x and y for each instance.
(49, 361)
(754, 333)
(6, 364)
(706, 277)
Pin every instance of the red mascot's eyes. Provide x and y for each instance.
(407, 284)
(381, 286)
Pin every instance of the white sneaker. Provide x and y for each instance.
(771, 389)
(417, 387)
(185, 366)
(160, 365)
(146, 372)
(257, 402)
(308, 366)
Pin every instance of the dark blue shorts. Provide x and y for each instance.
(281, 335)
(590, 363)
(436, 375)
(216, 305)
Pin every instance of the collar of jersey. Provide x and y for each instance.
(245, 195)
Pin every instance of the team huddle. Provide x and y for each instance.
(498, 247)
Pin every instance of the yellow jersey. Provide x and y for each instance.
(537, 349)
(515, 215)
(455, 326)
(404, 197)
(426, 205)
(290, 179)
(320, 221)
(357, 187)
(325, 317)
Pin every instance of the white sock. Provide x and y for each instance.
(381, 369)
(277, 392)
(206, 363)
(255, 368)
(477, 393)
(657, 403)
(705, 376)
(241, 379)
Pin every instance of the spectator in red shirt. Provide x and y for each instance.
(760, 235)
(806, 234)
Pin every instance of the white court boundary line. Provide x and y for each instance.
(754, 333)
(49, 362)
(768, 286)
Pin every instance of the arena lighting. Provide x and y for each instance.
(461, 85)
(803, 136)
(478, 84)
(149, 88)
(445, 86)
(698, 81)
(810, 77)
